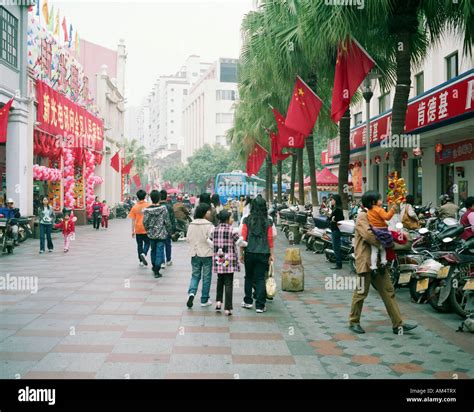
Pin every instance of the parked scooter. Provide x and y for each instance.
(317, 238)
(24, 229)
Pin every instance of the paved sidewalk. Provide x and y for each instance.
(97, 314)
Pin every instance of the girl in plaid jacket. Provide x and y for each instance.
(225, 259)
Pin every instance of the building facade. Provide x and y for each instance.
(438, 143)
(208, 111)
(16, 153)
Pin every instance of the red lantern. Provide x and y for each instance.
(438, 148)
(417, 152)
(377, 159)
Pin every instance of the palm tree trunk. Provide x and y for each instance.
(300, 177)
(269, 184)
(293, 177)
(312, 169)
(279, 174)
(400, 101)
(345, 149)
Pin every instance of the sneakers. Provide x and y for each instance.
(50, 250)
(156, 272)
(143, 259)
(228, 312)
(261, 310)
(189, 303)
(66, 250)
(141, 264)
(41, 252)
(246, 305)
(208, 303)
(169, 263)
(163, 266)
(218, 306)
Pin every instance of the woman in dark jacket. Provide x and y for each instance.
(257, 232)
(336, 216)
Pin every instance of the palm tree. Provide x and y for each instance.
(137, 152)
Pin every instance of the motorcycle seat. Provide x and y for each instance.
(22, 220)
(321, 222)
(452, 231)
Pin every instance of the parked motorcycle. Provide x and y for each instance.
(287, 217)
(7, 242)
(317, 239)
(181, 229)
(24, 229)
(121, 211)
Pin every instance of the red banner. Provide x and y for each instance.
(453, 100)
(456, 152)
(74, 125)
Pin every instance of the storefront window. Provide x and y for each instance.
(417, 181)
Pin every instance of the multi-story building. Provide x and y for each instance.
(16, 154)
(208, 111)
(438, 143)
(106, 69)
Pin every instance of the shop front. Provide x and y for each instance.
(68, 146)
(438, 151)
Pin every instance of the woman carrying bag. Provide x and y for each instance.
(409, 218)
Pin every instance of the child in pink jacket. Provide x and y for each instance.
(105, 214)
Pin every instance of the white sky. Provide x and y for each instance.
(159, 35)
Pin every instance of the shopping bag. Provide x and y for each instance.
(270, 284)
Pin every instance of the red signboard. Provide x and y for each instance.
(445, 103)
(456, 152)
(74, 125)
(325, 159)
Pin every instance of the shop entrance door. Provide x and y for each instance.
(417, 181)
(447, 179)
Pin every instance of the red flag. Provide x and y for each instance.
(276, 150)
(352, 65)
(126, 169)
(64, 26)
(148, 187)
(4, 112)
(255, 159)
(304, 108)
(286, 136)
(137, 181)
(115, 162)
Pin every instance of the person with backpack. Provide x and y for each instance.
(169, 208)
(157, 223)
(257, 231)
(138, 230)
(96, 213)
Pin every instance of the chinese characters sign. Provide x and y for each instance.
(451, 101)
(456, 152)
(61, 117)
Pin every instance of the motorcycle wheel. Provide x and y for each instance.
(418, 297)
(458, 298)
(309, 243)
(433, 297)
(10, 250)
(22, 234)
(318, 247)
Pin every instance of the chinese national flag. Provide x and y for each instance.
(276, 149)
(304, 108)
(352, 65)
(64, 26)
(4, 111)
(287, 137)
(255, 159)
(115, 162)
(126, 169)
(137, 181)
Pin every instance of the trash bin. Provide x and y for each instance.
(294, 235)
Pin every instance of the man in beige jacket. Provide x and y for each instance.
(201, 254)
(363, 239)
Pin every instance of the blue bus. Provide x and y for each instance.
(237, 183)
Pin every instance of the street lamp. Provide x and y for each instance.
(368, 87)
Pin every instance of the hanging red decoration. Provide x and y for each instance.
(438, 148)
(387, 155)
(377, 160)
(351, 166)
(417, 152)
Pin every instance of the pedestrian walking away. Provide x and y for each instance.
(336, 216)
(364, 238)
(168, 242)
(46, 218)
(105, 215)
(225, 259)
(156, 220)
(67, 228)
(201, 254)
(258, 233)
(138, 230)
